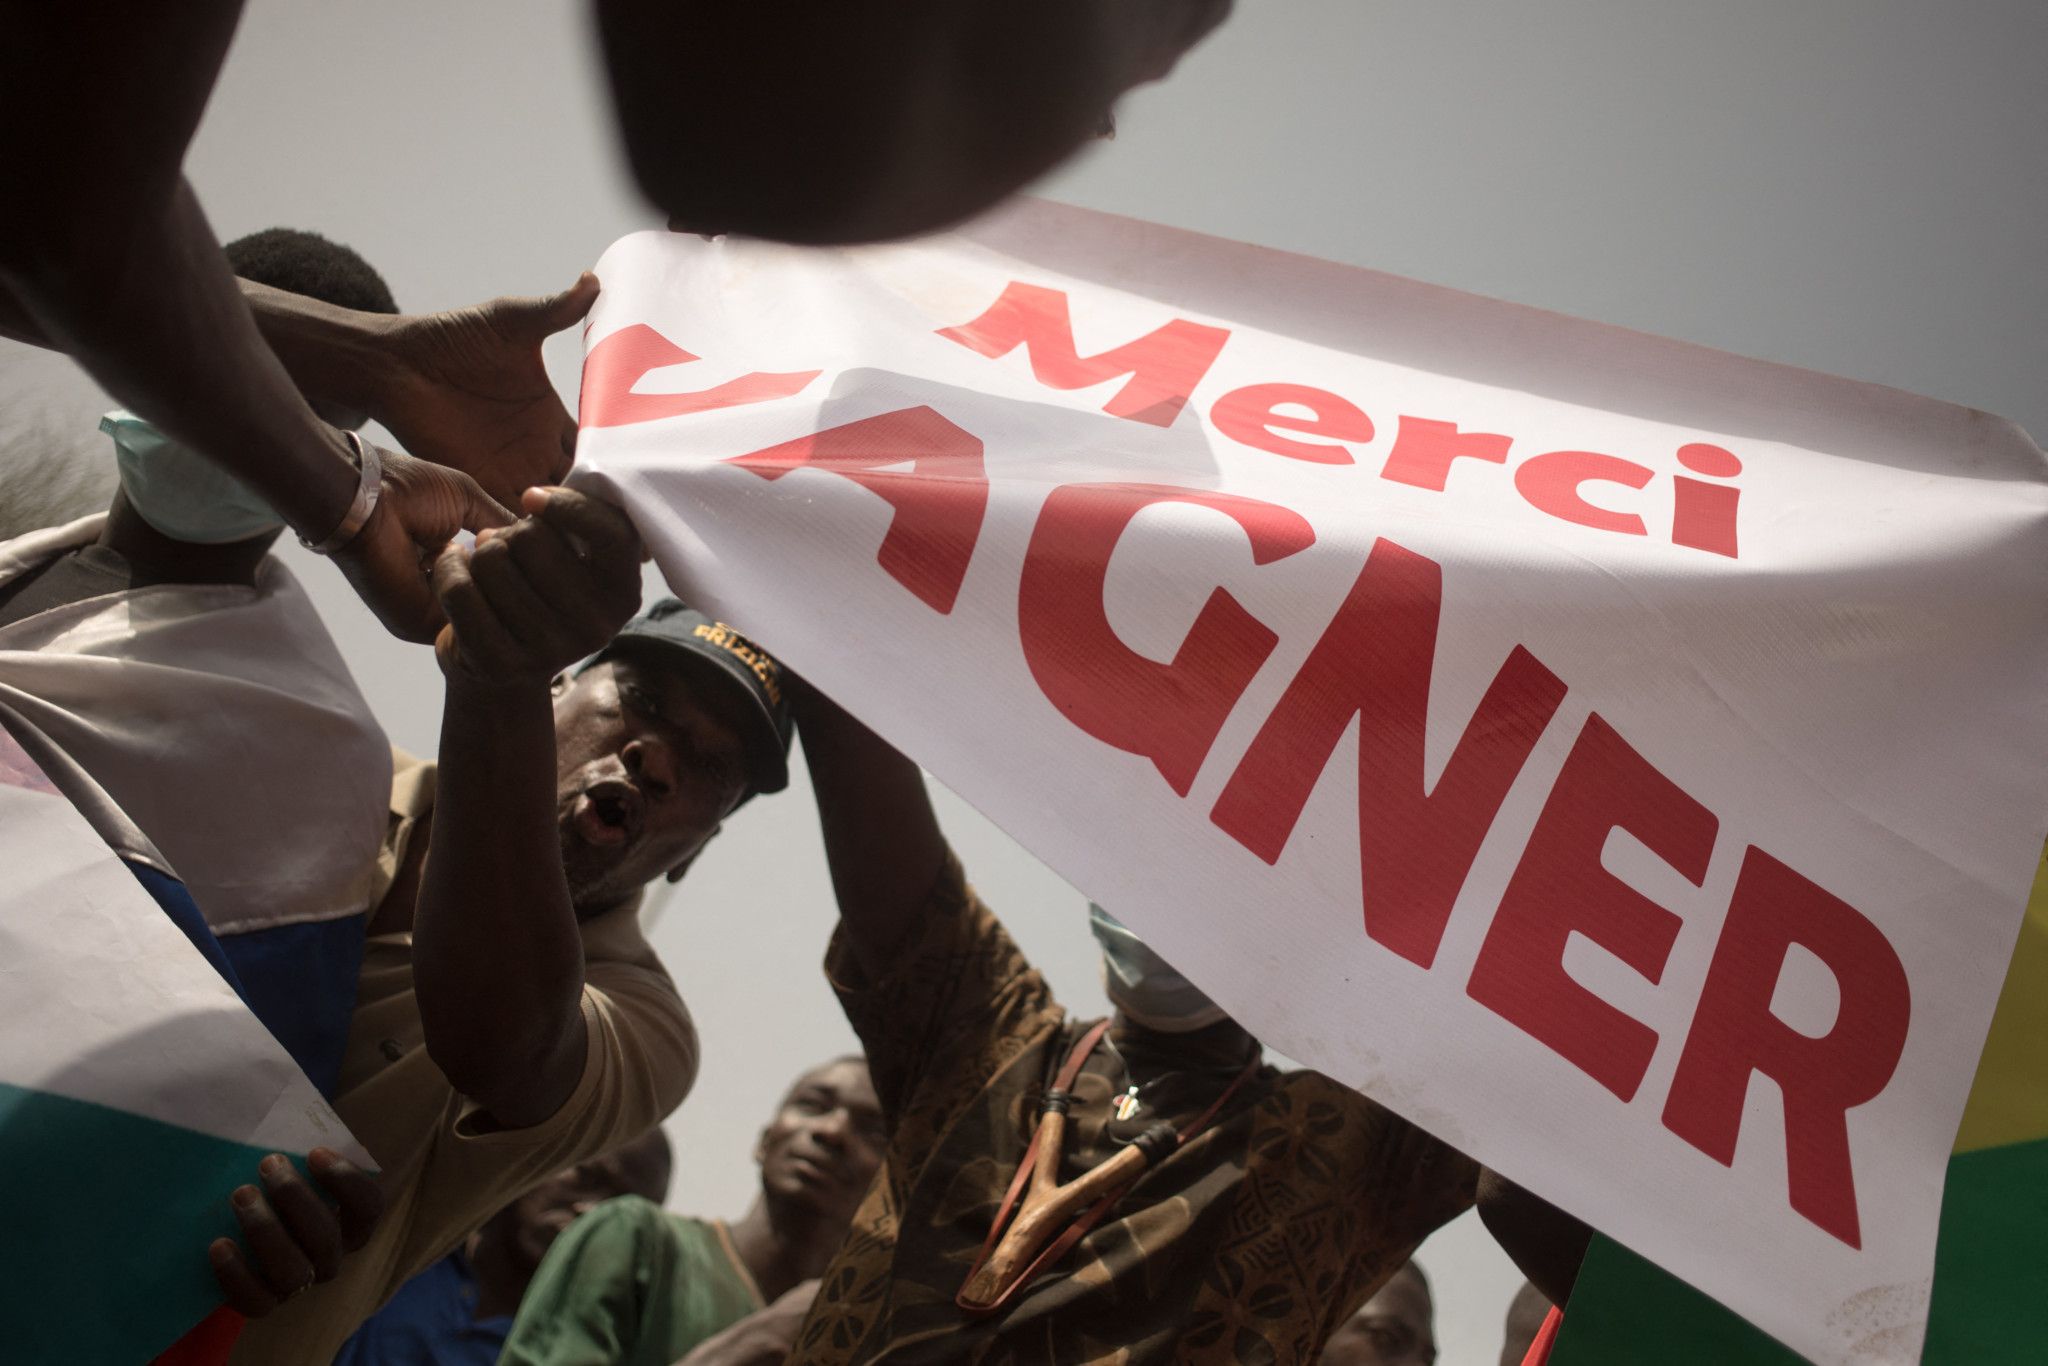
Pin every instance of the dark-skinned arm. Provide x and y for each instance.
(329, 352)
(107, 251)
(464, 388)
(497, 955)
(116, 265)
(881, 836)
(1545, 1242)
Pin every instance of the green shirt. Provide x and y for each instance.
(629, 1284)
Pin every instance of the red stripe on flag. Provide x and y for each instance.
(209, 1342)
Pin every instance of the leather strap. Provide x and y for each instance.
(1089, 1218)
(1069, 1071)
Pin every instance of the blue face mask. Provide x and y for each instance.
(179, 491)
(1145, 986)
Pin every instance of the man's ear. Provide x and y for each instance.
(675, 874)
(559, 684)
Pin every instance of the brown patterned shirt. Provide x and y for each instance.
(1251, 1244)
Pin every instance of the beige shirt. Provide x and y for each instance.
(445, 1167)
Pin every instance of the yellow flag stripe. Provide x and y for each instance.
(2009, 1101)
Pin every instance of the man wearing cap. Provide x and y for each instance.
(511, 1020)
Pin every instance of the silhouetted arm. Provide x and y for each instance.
(882, 838)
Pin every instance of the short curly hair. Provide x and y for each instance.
(306, 263)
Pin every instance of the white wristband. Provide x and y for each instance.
(370, 466)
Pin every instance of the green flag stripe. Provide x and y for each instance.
(1990, 1286)
(1627, 1310)
(1991, 1269)
(108, 1216)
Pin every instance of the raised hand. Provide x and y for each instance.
(470, 391)
(533, 598)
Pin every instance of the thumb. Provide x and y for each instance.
(553, 312)
(480, 511)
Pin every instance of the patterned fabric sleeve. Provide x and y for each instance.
(1337, 1193)
(960, 990)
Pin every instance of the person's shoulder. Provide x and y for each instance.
(636, 1230)
(1390, 1133)
(632, 1216)
(619, 963)
(1364, 1136)
(1305, 1091)
(639, 1022)
(615, 936)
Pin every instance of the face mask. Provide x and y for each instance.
(1143, 985)
(179, 491)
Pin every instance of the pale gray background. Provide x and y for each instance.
(1853, 186)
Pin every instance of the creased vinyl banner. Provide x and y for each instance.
(1623, 759)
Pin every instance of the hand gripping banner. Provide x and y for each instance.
(1623, 759)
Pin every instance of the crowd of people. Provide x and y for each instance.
(451, 947)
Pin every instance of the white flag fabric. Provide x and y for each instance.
(1623, 759)
(136, 1092)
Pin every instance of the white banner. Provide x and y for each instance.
(1674, 866)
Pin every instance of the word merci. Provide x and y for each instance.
(1162, 369)
(1374, 662)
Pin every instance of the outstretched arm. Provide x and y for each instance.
(881, 837)
(114, 263)
(106, 251)
(497, 955)
(464, 388)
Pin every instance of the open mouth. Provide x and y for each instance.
(608, 813)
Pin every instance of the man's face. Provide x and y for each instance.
(1396, 1327)
(822, 1148)
(530, 1224)
(648, 760)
